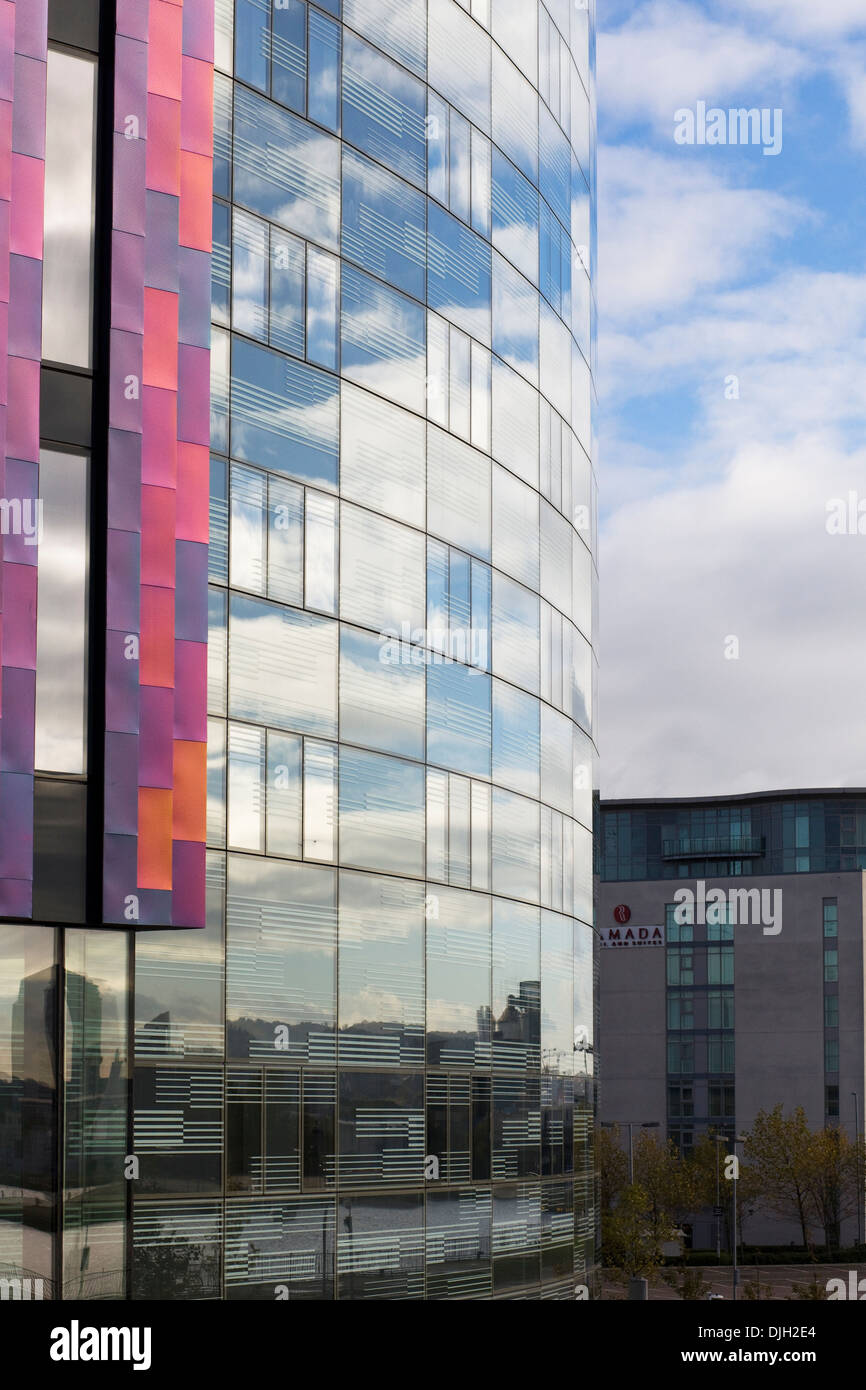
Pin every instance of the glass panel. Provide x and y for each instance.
(286, 170)
(217, 557)
(216, 782)
(382, 461)
(515, 217)
(515, 115)
(95, 1113)
(381, 1144)
(383, 224)
(516, 421)
(458, 979)
(179, 982)
(384, 110)
(320, 800)
(516, 985)
(248, 530)
(458, 1244)
(250, 275)
(458, 718)
(383, 340)
(515, 633)
(381, 695)
(324, 93)
(287, 293)
(397, 26)
(217, 648)
(284, 794)
(28, 1136)
(459, 61)
(60, 522)
(283, 667)
(515, 320)
(323, 287)
(381, 813)
(285, 541)
(246, 792)
(67, 265)
(458, 493)
(289, 54)
(458, 274)
(252, 42)
(516, 739)
(515, 28)
(381, 979)
(284, 414)
(381, 574)
(281, 939)
(320, 552)
(220, 309)
(516, 846)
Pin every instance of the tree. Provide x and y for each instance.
(780, 1155)
(832, 1182)
(690, 1284)
(669, 1180)
(612, 1165)
(632, 1237)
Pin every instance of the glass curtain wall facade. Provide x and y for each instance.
(372, 1075)
(793, 832)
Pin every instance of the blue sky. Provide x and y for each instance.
(732, 377)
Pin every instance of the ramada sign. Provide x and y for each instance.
(632, 936)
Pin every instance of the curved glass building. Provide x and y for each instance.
(371, 1076)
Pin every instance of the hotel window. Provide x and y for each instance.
(67, 293)
(831, 966)
(720, 1099)
(720, 965)
(720, 1009)
(831, 1011)
(681, 1055)
(683, 1139)
(719, 924)
(674, 930)
(831, 917)
(831, 1054)
(681, 1104)
(681, 1011)
(720, 1053)
(831, 1102)
(681, 966)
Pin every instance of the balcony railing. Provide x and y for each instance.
(714, 847)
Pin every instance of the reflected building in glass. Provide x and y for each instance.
(369, 1073)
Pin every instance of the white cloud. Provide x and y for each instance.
(830, 18)
(747, 556)
(669, 54)
(670, 227)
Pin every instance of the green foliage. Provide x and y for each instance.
(811, 1292)
(690, 1284)
(808, 1177)
(633, 1233)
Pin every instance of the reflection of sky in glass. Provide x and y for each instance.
(67, 270)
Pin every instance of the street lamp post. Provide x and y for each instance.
(719, 1139)
(641, 1124)
(859, 1174)
(738, 1139)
